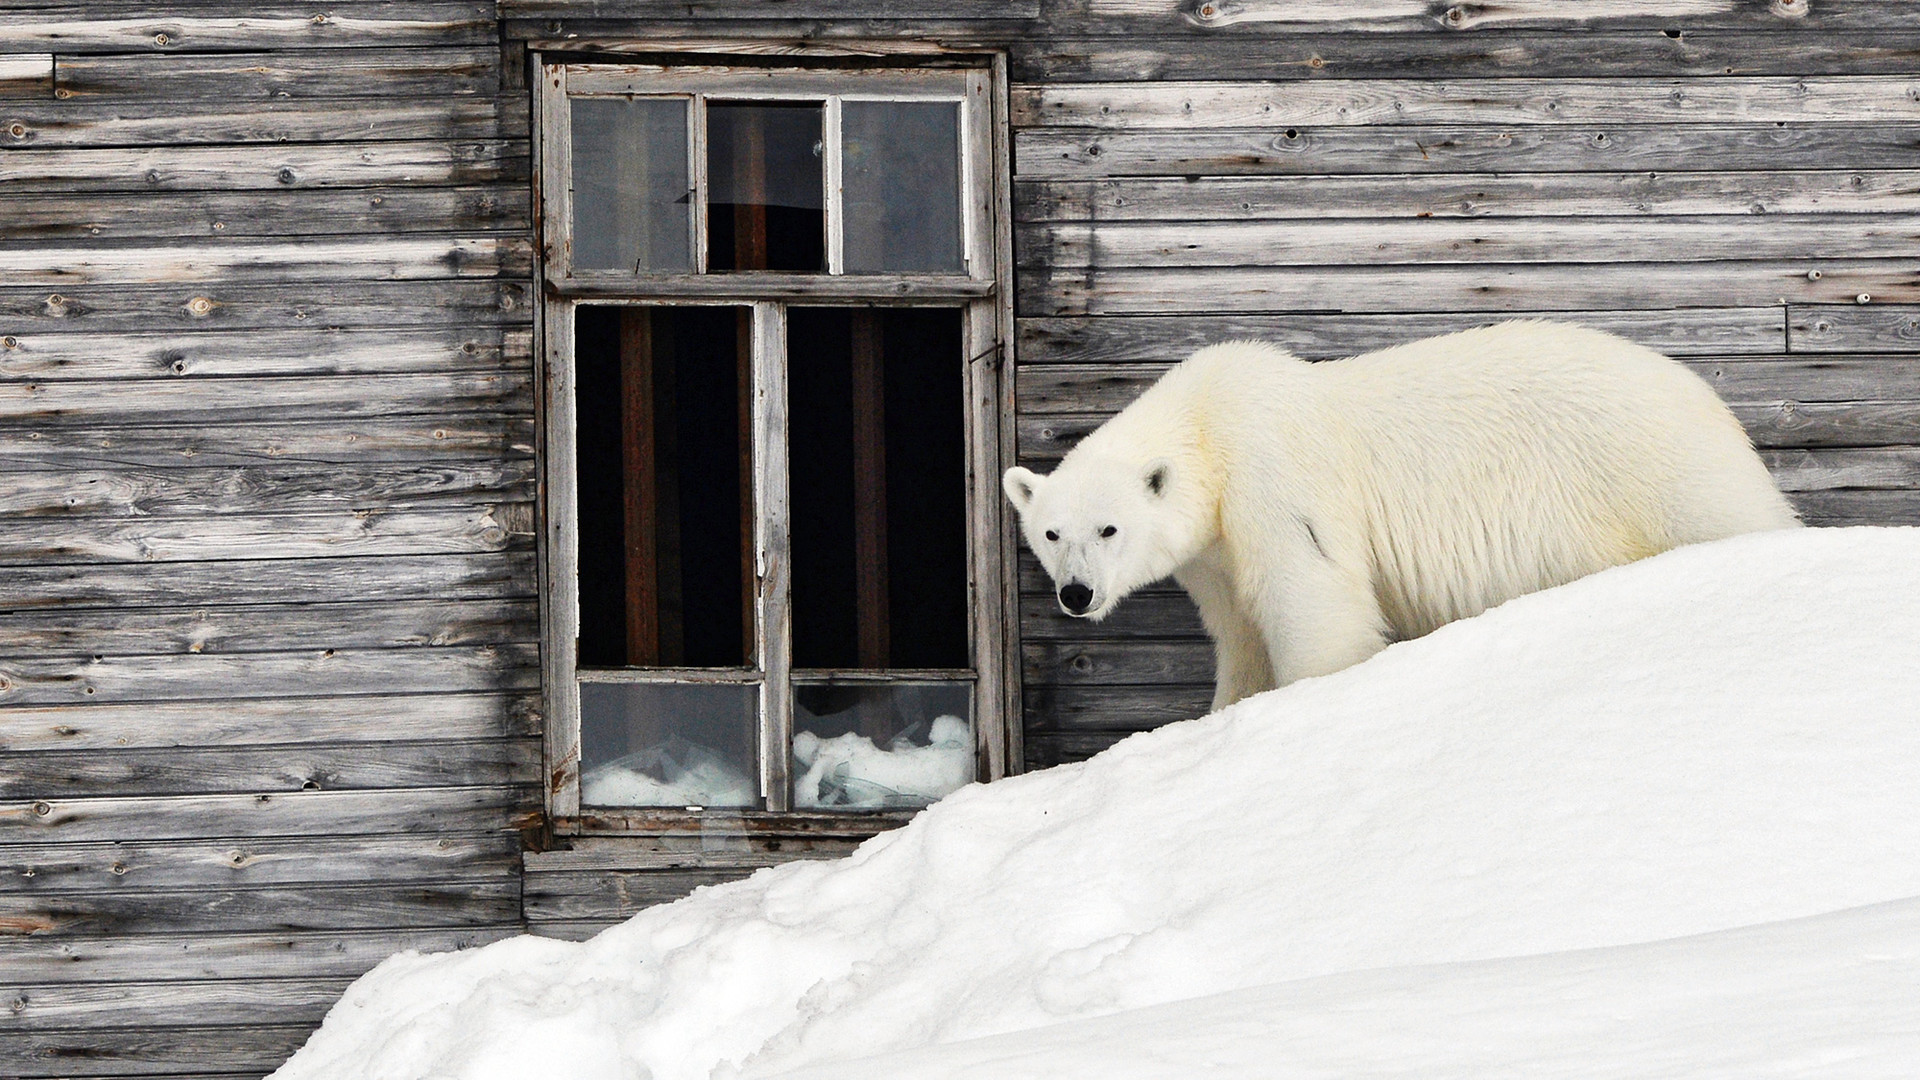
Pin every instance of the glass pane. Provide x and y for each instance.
(870, 747)
(667, 745)
(765, 203)
(666, 508)
(878, 474)
(630, 184)
(900, 179)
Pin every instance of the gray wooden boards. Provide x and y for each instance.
(269, 680)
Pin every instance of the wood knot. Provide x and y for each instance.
(41, 809)
(1455, 16)
(10, 342)
(1863, 298)
(119, 869)
(286, 175)
(18, 130)
(162, 39)
(1206, 12)
(199, 306)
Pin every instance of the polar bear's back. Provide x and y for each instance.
(1458, 472)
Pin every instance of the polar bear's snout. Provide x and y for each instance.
(1075, 598)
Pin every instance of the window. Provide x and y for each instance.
(777, 575)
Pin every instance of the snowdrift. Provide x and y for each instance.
(1718, 737)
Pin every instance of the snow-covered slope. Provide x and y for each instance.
(1720, 736)
(1820, 998)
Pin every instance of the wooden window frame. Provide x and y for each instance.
(980, 293)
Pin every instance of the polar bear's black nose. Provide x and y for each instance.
(1075, 597)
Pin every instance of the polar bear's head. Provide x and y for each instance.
(1102, 527)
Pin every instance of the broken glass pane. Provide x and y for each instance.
(630, 184)
(900, 178)
(766, 208)
(661, 744)
(878, 747)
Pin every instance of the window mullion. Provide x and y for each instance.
(697, 150)
(830, 151)
(772, 551)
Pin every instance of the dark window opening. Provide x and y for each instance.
(878, 473)
(665, 510)
(766, 206)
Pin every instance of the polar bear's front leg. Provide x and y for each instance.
(1241, 667)
(1315, 616)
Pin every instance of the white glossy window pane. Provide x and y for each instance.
(631, 192)
(900, 180)
(661, 744)
(880, 747)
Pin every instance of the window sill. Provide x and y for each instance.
(721, 825)
(752, 285)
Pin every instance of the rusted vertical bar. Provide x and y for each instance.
(870, 490)
(641, 488)
(750, 187)
(743, 366)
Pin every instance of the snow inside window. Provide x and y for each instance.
(874, 747)
(665, 744)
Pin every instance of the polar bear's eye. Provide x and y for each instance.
(1051, 535)
(1108, 531)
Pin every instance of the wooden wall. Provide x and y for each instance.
(268, 687)
(1737, 184)
(269, 702)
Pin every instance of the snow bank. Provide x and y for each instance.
(1716, 737)
(1759, 1003)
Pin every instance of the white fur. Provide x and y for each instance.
(1316, 512)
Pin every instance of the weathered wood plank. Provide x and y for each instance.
(319, 351)
(569, 929)
(55, 680)
(1105, 388)
(1842, 378)
(377, 212)
(1054, 710)
(1297, 16)
(575, 867)
(1895, 471)
(614, 894)
(227, 864)
(264, 628)
(1189, 106)
(271, 581)
(1175, 662)
(1072, 153)
(287, 721)
(26, 75)
(1857, 506)
(300, 908)
(455, 531)
(725, 10)
(331, 767)
(1064, 247)
(302, 813)
(1157, 614)
(166, 957)
(428, 440)
(446, 71)
(1476, 196)
(118, 308)
(97, 125)
(1166, 338)
(236, 24)
(264, 488)
(126, 1005)
(1155, 54)
(193, 1053)
(264, 167)
(1853, 328)
(217, 401)
(1046, 749)
(1501, 288)
(241, 260)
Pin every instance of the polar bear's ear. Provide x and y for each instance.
(1158, 476)
(1020, 485)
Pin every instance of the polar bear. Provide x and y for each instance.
(1318, 512)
